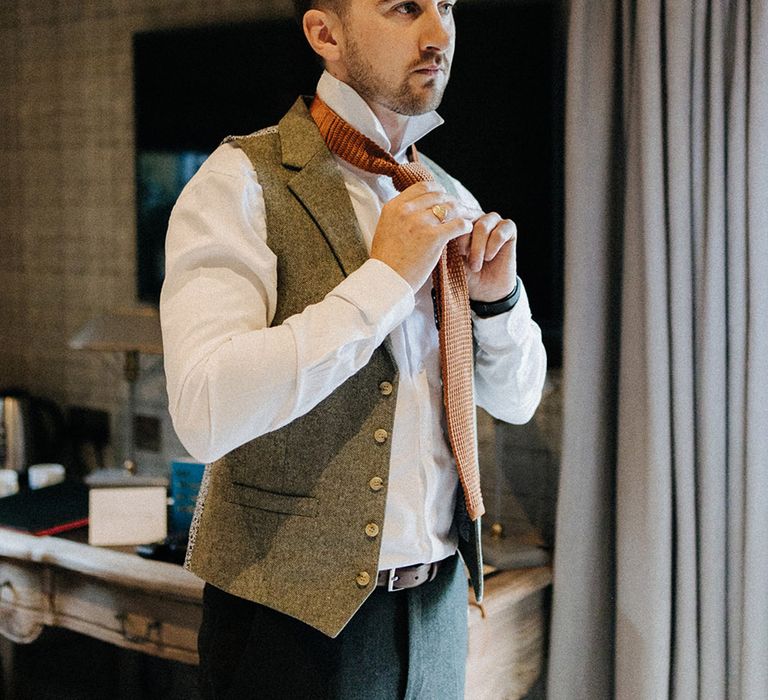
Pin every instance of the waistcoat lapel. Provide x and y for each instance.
(319, 186)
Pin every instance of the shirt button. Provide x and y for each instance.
(363, 579)
(376, 484)
(385, 388)
(381, 436)
(371, 529)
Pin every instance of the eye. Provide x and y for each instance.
(407, 8)
(446, 8)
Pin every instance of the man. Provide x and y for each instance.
(304, 366)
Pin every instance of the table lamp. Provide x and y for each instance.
(130, 331)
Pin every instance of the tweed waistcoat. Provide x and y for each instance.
(282, 519)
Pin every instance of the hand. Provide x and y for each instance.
(491, 257)
(409, 237)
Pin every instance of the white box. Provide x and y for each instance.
(127, 515)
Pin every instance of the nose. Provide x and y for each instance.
(437, 30)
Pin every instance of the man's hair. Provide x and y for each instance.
(300, 7)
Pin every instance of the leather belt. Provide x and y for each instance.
(407, 576)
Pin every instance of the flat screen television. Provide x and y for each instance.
(502, 138)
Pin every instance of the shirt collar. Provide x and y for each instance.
(346, 102)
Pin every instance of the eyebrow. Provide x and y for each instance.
(380, 3)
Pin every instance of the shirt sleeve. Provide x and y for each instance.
(230, 376)
(510, 363)
(510, 360)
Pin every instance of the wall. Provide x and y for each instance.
(67, 221)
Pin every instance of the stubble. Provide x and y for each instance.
(400, 98)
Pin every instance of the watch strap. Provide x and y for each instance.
(486, 309)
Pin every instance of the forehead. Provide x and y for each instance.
(382, 4)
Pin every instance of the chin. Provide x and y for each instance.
(413, 105)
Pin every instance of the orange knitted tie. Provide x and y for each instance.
(450, 283)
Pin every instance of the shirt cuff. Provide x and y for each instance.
(498, 332)
(484, 309)
(384, 298)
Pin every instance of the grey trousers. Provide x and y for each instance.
(408, 644)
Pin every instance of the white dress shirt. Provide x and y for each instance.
(231, 377)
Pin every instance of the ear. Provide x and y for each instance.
(322, 27)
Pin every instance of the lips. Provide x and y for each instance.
(429, 70)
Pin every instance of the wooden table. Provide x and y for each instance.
(155, 608)
(115, 596)
(507, 635)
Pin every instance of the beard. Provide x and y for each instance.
(401, 98)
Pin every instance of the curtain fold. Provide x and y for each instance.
(661, 568)
(753, 642)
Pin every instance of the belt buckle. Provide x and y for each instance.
(391, 578)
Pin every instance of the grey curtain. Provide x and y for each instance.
(661, 566)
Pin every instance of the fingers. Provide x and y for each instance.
(456, 228)
(452, 208)
(425, 194)
(480, 236)
(489, 234)
(481, 232)
(505, 233)
(421, 188)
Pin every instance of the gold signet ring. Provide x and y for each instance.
(440, 212)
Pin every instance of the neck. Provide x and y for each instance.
(393, 123)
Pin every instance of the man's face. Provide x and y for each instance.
(398, 54)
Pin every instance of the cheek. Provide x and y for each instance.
(452, 48)
(385, 61)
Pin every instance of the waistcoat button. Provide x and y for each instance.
(386, 388)
(363, 579)
(376, 484)
(371, 529)
(381, 436)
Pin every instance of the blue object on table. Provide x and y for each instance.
(186, 476)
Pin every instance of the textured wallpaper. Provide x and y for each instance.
(67, 221)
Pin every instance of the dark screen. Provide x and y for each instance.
(502, 137)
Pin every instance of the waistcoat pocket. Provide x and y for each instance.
(253, 497)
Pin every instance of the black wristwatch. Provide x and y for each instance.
(486, 309)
